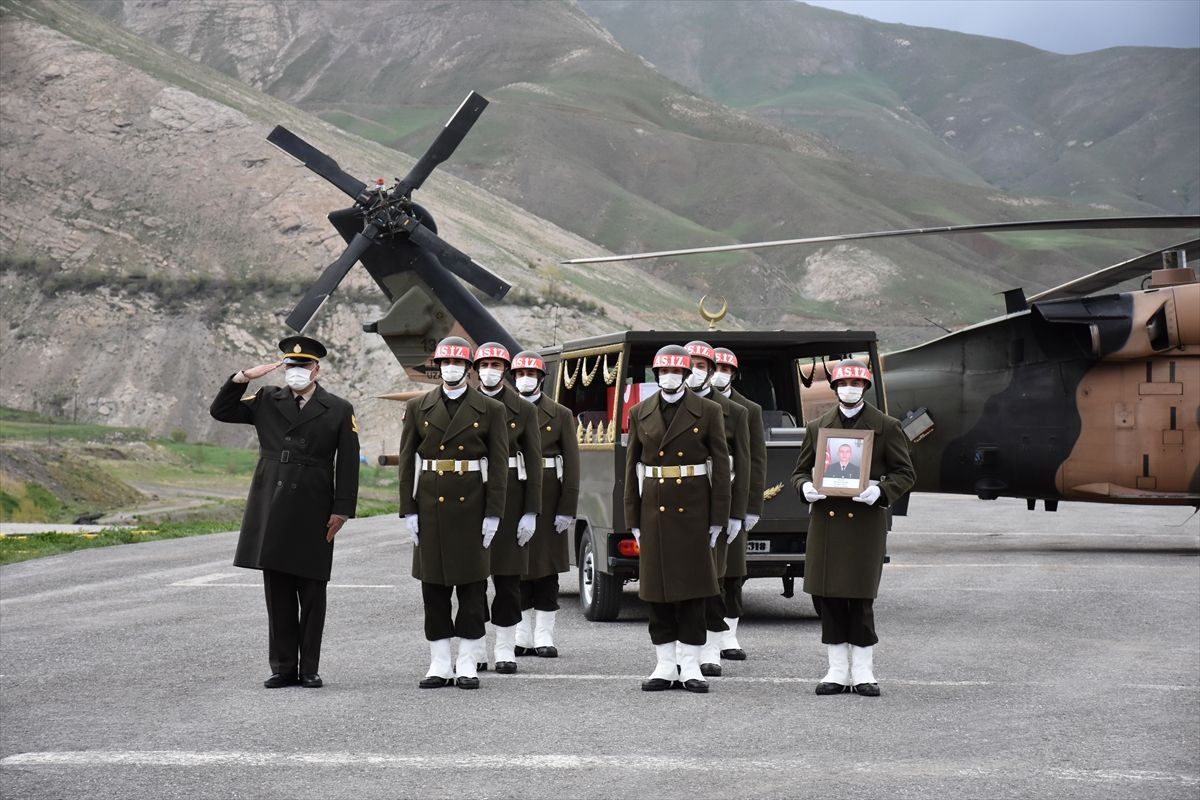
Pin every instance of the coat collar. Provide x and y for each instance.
(690, 409)
(316, 405)
(870, 417)
(472, 407)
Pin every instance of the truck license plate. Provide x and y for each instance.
(758, 546)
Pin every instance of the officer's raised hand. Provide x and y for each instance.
(490, 524)
(262, 369)
(336, 521)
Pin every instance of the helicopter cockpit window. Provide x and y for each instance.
(588, 386)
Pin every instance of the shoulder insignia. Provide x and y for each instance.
(250, 397)
(353, 423)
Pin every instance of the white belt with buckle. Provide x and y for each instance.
(682, 471)
(449, 465)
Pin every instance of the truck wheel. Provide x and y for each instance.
(599, 592)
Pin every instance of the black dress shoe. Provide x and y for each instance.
(311, 681)
(832, 688)
(278, 681)
(506, 667)
(656, 685)
(867, 689)
(710, 670)
(463, 682)
(696, 685)
(735, 654)
(546, 652)
(481, 666)
(435, 682)
(524, 651)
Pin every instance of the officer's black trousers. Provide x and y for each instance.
(506, 604)
(295, 619)
(677, 622)
(731, 590)
(540, 594)
(847, 619)
(714, 612)
(472, 610)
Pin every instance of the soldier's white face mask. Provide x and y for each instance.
(527, 384)
(297, 377)
(670, 381)
(721, 379)
(850, 395)
(452, 373)
(490, 376)
(697, 378)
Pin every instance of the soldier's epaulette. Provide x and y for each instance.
(250, 397)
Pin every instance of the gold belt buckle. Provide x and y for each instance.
(671, 472)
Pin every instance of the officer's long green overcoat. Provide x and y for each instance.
(735, 563)
(674, 514)
(847, 540)
(548, 548)
(450, 506)
(523, 496)
(290, 501)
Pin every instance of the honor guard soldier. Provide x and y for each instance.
(453, 480)
(559, 463)
(305, 487)
(847, 536)
(735, 562)
(737, 440)
(676, 502)
(509, 556)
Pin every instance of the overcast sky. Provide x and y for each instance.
(1060, 26)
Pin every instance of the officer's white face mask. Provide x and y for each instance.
(697, 378)
(490, 376)
(721, 379)
(527, 384)
(298, 377)
(670, 381)
(850, 395)
(452, 373)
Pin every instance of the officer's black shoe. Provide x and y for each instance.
(481, 666)
(547, 652)
(506, 667)
(710, 670)
(278, 681)
(867, 689)
(832, 688)
(736, 654)
(311, 681)
(435, 682)
(463, 682)
(696, 685)
(524, 651)
(656, 685)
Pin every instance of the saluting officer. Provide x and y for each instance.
(453, 479)
(510, 557)
(737, 439)
(305, 487)
(676, 510)
(847, 537)
(548, 555)
(735, 562)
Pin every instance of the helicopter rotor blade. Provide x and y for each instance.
(1088, 223)
(457, 261)
(320, 291)
(317, 161)
(452, 134)
(1111, 276)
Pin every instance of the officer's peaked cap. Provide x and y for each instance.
(301, 350)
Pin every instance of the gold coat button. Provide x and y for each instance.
(441, 499)
(660, 480)
(850, 515)
(512, 424)
(440, 473)
(695, 430)
(462, 499)
(661, 453)
(832, 514)
(679, 480)
(681, 509)
(426, 423)
(460, 447)
(662, 508)
(680, 454)
(474, 424)
(547, 427)
(441, 447)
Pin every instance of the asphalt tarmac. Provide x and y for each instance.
(1022, 654)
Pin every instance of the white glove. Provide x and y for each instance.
(713, 532)
(490, 524)
(563, 523)
(751, 521)
(637, 535)
(413, 527)
(734, 528)
(526, 528)
(868, 496)
(810, 492)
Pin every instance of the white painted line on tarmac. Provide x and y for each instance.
(211, 581)
(1057, 566)
(638, 762)
(779, 680)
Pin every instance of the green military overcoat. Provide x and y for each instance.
(292, 496)
(548, 548)
(450, 506)
(847, 540)
(523, 496)
(674, 514)
(737, 440)
(735, 565)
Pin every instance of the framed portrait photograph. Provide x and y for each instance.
(843, 461)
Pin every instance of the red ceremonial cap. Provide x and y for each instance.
(452, 351)
(850, 369)
(723, 355)
(700, 350)
(672, 360)
(529, 360)
(492, 350)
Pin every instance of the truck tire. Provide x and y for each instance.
(599, 592)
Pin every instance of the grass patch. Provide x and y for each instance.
(23, 548)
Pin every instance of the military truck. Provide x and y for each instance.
(602, 377)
